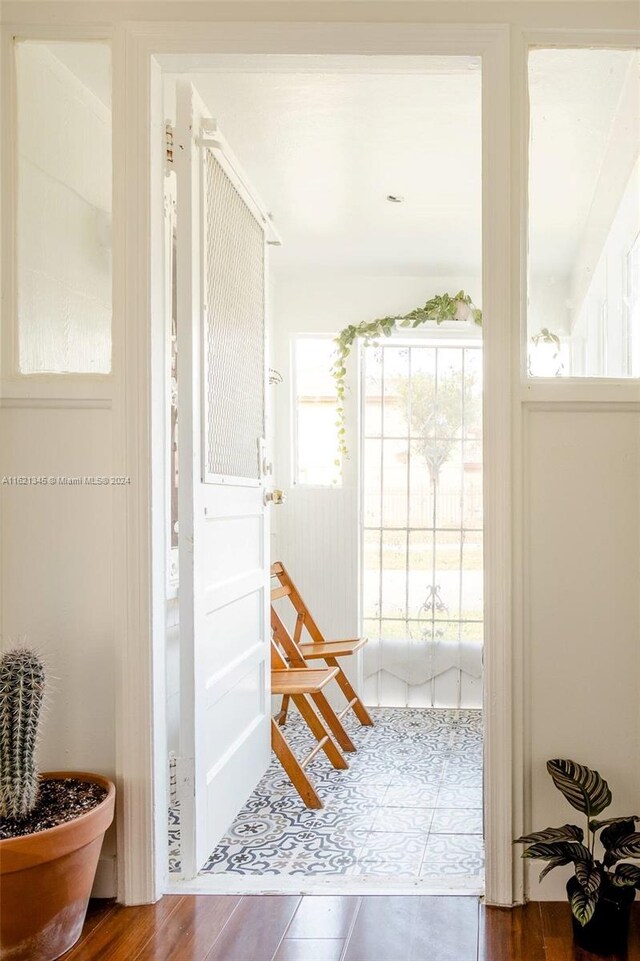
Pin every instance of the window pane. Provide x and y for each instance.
(422, 549)
(584, 212)
(64, 207)
(315, 412)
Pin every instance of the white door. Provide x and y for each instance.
(223, 520)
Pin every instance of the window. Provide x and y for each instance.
(317, 462)
(422, 567)
(584, 211)
(64, 208)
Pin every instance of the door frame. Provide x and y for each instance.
(503, 752)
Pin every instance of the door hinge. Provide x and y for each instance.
(181, 778)
(168, 145)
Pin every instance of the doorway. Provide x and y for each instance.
(349, 249)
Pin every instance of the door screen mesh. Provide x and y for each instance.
(235, 322)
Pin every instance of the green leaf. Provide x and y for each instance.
(612, 835)
(627, 875)
(596, 825)
(583, 905)
(583, 788)
(627, 847)
(545, 850)
(588, 877)
(554, 863)
(568, 832)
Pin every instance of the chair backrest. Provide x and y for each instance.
(278, 660)
(287, 588)
(284, 642)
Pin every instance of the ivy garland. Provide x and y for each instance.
(440, 308)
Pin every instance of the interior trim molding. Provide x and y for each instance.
(55, 403)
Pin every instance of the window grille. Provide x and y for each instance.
(422, 506)
(234, 329)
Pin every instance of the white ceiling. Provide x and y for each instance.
(325, 149)
(574, 95)
(324, 140)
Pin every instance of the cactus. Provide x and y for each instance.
(22, 679)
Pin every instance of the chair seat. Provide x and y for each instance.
(302, 680)
(313, 650)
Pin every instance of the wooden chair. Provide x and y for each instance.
(294, 659)
(299, 684)
(318, 648)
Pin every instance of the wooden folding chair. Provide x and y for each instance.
(294, 659)
(318, 648)
(298, 684)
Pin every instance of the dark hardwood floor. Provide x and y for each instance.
(291, 928)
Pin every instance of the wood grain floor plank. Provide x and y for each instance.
(634, 933)
(323, 917)
(98, 910)
(556, 931)
(446, 929)
(124, 932)
(191, 930)
(255, 929)
(310, 949)
(558, 935)
(382, 929)
(505, 934)
(414, 928)
(386, 928)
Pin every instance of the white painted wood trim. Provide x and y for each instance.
(492, 43)
(503, 761)
(140, 709)
(55, 403)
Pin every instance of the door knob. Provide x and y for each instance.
(275, 496)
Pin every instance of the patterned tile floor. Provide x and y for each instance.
(409, 806)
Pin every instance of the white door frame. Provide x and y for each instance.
(503, 762)
(138, 380)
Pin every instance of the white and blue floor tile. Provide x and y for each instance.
(408, 808)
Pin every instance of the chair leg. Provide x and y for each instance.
(320, 732)
(292, 767)
(347, 689)
(333, 722)
(284, 707)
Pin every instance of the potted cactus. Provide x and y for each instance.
(51, 826)
(604, 885)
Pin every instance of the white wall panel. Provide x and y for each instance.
(57, 589)
(582, 523)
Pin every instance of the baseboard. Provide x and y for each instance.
(105, 883)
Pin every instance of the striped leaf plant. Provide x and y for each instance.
(615, 840)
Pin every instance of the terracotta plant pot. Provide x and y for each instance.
(46, 880)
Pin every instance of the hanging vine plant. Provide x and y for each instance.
(440, 308)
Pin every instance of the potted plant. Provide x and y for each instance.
(602, 889)
(51, 826)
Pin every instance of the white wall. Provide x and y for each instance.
(57, 581)
(57, 550)
(582, 522)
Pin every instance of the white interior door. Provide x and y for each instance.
(223, 520)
